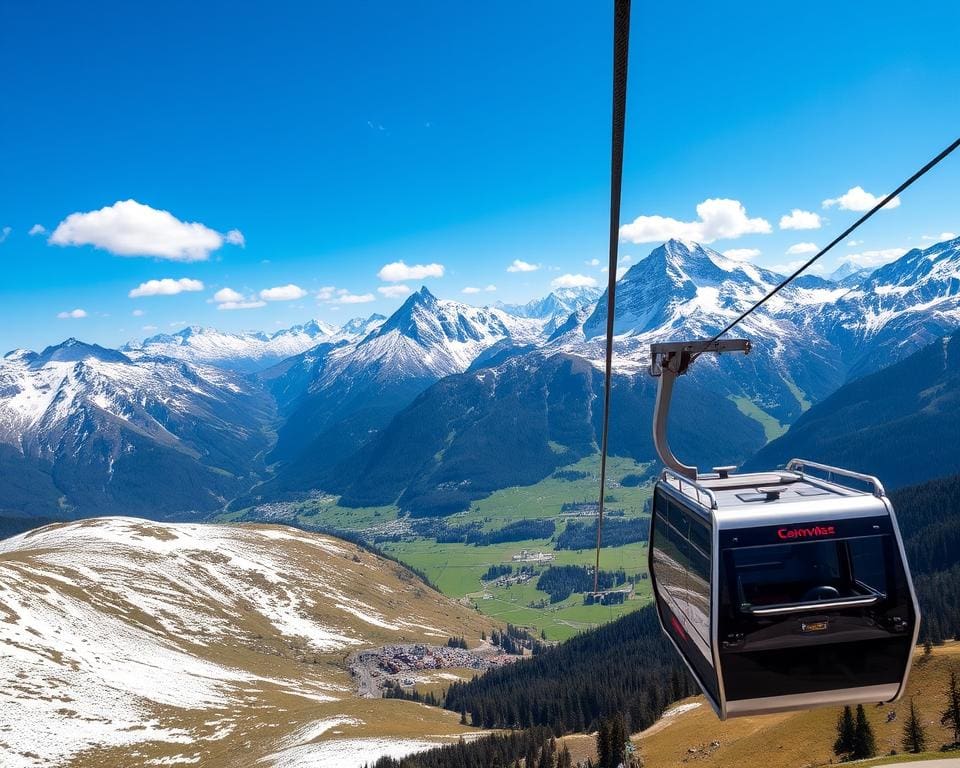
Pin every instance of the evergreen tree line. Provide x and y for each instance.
(561, 581)
(536, 748)
(473, 533)
(624, 667)
(929, 518)
(616, 533)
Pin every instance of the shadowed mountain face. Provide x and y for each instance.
(100, 432)
(900, 423)
(515, 424)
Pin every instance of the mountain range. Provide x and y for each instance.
(443, 402)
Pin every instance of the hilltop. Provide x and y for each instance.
(137, 643)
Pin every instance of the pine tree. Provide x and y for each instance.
(618, 741)
(927, 646)
(914, 736)
(604, 750)
(864, 743)
(845, 733)
(951, 715)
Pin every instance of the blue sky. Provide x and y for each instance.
(334, 139)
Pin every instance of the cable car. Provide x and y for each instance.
(780, 590)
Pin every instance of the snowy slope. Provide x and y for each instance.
(162, 644)
(248, 351)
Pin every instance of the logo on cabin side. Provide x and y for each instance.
(806, 533)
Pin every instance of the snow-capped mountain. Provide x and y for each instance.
(898, 308)
(356, 388)
(556, 306)
(847, 271)
(248, 351)
(154, 434)
(135, 643)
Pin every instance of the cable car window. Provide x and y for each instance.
(700, 537)
(868, 557)
(784, 574)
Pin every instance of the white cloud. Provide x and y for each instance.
(742, 254)
(940, 238)
(522, 266)
(470, 290)
(574, 281)
(235, 237)
(393, 291)
(800, 248)
(621, 271)
(720, 219)
(799, 219)
(592, 263)
(129, 228)
(73, 313)
(227, 294)
(37, 229)
(490, 288)
(229, 299)
(138, 313)
(247, 304)
(858, 199)
(875, 258)
(346, 297)
(165, 287)
(327, 293)
(149, 328)
(398, 271)
(854, 243)
(289, 292)
(5, 233)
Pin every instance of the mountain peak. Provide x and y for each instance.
(73, 350)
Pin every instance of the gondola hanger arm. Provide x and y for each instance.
(667, 361)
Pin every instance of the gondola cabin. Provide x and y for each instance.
(783, 590)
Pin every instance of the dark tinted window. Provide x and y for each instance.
(804, 572)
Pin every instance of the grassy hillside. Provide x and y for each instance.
(690, 732)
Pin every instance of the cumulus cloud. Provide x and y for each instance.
(229, 299)
(592, 263)
(398, 271)
(573, 281)
(742, 254)
(75, 314)
(719, 219)
(138, 313)
(235, 237)
(5, 233)
(519, 265)
(490, 288)
(470, 289)
(227, 294)
(345, 297)
(289, 292)
(393, 291)
(875, 258)
(799, 219)
(858, 199)
(800, 248)
(129, 228)
(854, 243)
(37, 229)
(939, 238)
(165, 287)
(327, 293)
